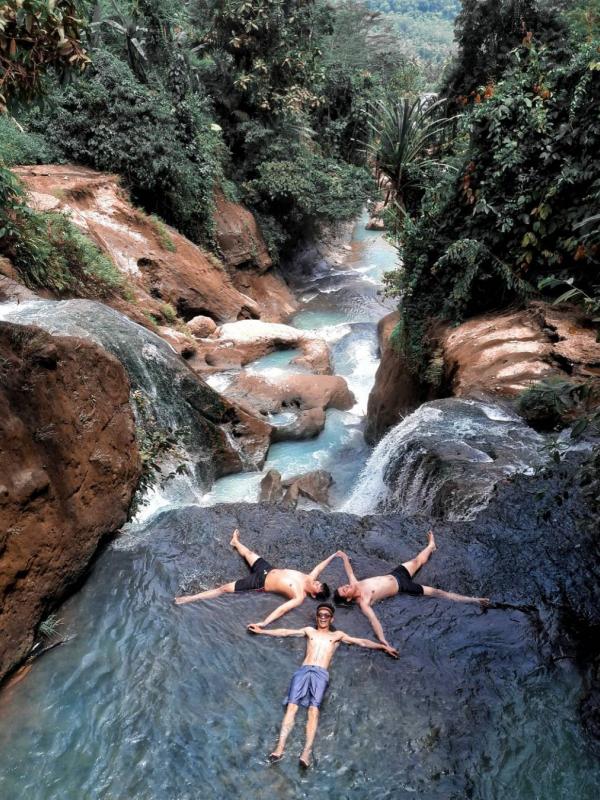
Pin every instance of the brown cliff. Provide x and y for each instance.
(160, 265)
(69, 465)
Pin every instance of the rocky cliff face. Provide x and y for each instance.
(493, 355)
(161, 265)
(395, 392)
(69, 465)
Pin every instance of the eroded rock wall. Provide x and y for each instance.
(69, 466)
(162, 266)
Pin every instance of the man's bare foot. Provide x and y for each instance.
(431, 541)
(275, 757)
(235, 538)
(304, 760)
(484, 602)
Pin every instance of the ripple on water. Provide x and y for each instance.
(151, 701)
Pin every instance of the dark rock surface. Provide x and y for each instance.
(479, 705)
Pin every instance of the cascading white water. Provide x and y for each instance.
(444, 460)
(172, 395)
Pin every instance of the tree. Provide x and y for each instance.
(408, 137)
(487, 31)
(36, 35)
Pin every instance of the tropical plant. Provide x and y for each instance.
(408, 140)
(36, 35)
(488, 31)
(129, 28)
(169, 154)
(527, 180)
(49, 626)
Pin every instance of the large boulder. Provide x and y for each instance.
(238, 236)
(294, 392)
(313, 486)
(236, 344)
(503, 354)
(395, 392)
(69, 466)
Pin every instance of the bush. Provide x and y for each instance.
(17, 146)
(295, 189)
(168, 154)
(48, 251)
(528, 178)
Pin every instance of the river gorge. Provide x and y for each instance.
(147, 700)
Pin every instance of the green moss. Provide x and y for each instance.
(162, 233)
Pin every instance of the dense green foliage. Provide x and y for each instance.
(487, 31)
(168, 154)
(36, 35)
(18, 146)
(528, 179)
(268, 100)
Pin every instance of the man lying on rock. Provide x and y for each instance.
(263, 577)
(398, 581)
(310, 682)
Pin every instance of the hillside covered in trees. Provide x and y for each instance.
(426, 28)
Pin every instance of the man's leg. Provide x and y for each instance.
(415, 564)
(244, 551)
(286, 727)
(189, 598)
(312, 721)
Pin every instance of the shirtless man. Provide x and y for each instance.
(263, 577)
(398, 581)
(311, 680)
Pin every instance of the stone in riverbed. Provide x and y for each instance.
(201, 326)
(294, 392)
(252, 339)
(307, 425)
(312, 485)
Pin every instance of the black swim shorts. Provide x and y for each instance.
(406, 584)
(257, 577)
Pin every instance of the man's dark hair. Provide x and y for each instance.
(324, 593)
(328, 606)
(342, 601)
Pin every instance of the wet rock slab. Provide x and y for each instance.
(476, 701)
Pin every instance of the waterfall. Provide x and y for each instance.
(444, 460)
(165, 392)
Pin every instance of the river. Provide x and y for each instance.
(149, 701)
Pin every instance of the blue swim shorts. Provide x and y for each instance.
(308, 686)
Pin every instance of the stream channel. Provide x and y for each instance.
(149, 701)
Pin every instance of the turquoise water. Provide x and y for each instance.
(342, 305)
(154, 702)
(276, 364)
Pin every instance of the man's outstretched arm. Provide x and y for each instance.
(374, 620)
(314, 574)
(347, 566)
(254, 628)
(281, 610)
(391, 651)
(429, 591)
